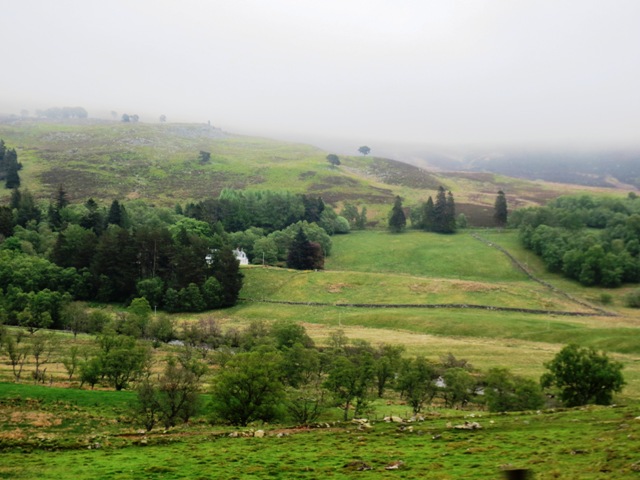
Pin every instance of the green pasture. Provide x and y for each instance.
(72, 396)
(590, 443)
(458, 256)
(376, 288)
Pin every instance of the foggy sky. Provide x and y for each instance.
(424, 71)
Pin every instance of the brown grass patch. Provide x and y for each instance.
(16, 434)
(446, 285)
(337, 287)
(36, 419)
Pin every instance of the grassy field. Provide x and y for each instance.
(427, 268)
(68, 439)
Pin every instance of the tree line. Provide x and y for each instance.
(275, 372)
(179, 259)
(430, 216)
(595, 241)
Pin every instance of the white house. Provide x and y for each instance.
(238, 252)
(241, 256)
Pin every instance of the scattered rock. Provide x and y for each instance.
(395, 465)
(358, 466)
(258, 433)
(394, 419)
(469, 426)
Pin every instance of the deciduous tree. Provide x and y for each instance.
(583, 376)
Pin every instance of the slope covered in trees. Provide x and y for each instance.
(595, 241)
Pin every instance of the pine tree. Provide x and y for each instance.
(117, 215)
(301, 254)
(11, 166)
(450, 214)
(440, 211)
(500, 209)
(397, 218)
(226, 269)
(428, 219)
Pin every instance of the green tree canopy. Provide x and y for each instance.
(583, 376)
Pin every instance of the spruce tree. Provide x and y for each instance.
(440, 211)
(500, 209)
(397, 218)
(450, 214)
(428, 219)
(117, 214)
(226, 269)
(11, 167)
(301, 253)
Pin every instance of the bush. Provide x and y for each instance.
(633, 299)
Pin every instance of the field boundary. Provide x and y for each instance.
(528, 273)
(428, 306)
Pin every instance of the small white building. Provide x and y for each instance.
(238, 252)
(241, 256)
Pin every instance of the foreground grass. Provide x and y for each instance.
(588, 443)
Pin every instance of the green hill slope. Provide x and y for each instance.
(161, 164)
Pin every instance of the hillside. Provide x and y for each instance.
(161, 164)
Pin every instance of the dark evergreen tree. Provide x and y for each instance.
(440, 211)
(188, 264)
(54, 213)
(428, 219)
(397, 218)
(313, 208)
(114, 264)
(450, 214)
(117, 214)
(444, 212)
(93, 219)
(226, 269)
(27, 209)
(301, 253)
(11, 168)
(500, 209)
(16, 196)
(6, 222)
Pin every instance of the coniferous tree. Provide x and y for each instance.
(428, 219)
(440, 211)
(301, 253)
(500, 209)
(16, 196)
(117, 215)
(93, 219)
(26, 206)
(6, 222)
(450, 214)
(11, 167)
(397, 218)
(226, 269)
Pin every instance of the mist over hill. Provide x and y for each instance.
(604, 167)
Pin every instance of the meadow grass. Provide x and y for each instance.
(590, 443)
(423, 254)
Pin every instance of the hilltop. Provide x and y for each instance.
(161, 163)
